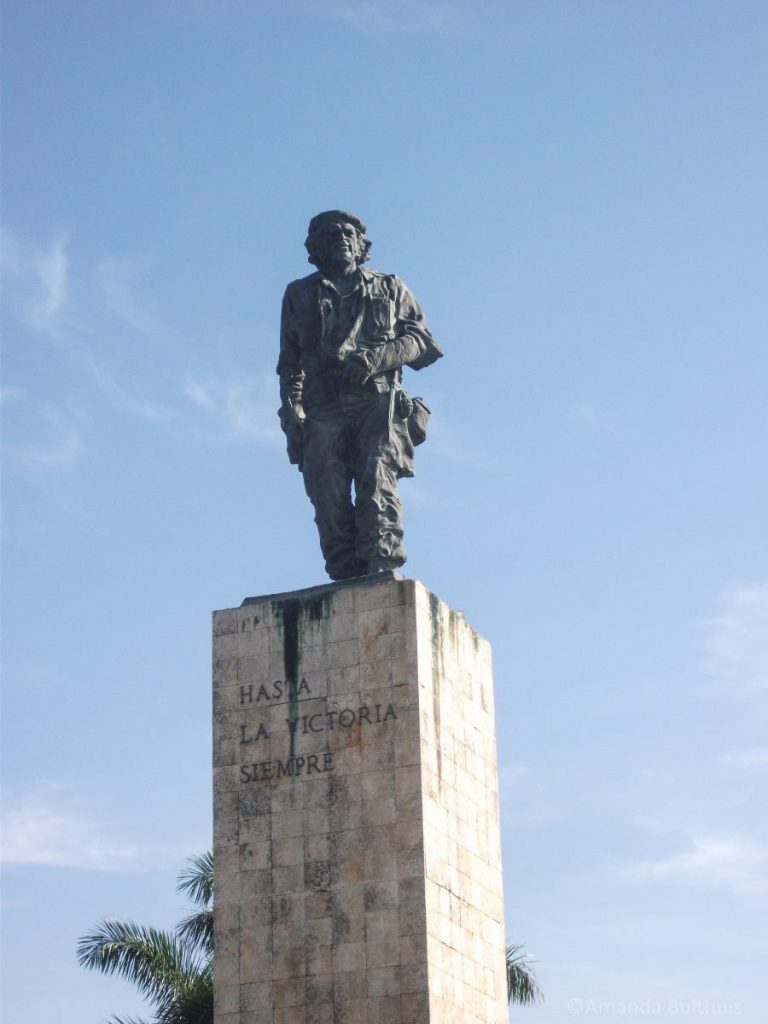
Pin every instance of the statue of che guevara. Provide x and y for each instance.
(346, 333)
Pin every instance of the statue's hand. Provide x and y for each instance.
(292, 415)
(356, 368)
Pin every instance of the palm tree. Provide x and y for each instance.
(522, 987)
(196, 881)
(174, 971)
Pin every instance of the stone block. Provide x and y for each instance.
(357, 849)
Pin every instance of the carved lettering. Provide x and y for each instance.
(291, 767)
(272, 691)
(320, 721)
(261, 734)
(326, 721)
(390, 712)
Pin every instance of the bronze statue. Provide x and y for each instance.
(346, 333)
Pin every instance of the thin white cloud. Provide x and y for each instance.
(591, 415)
(59, 449)
(384, 17)
(757, 757)
(50, 828)
(238, 408)
(52, 269)
(512, 774)
(36, 280)
(725, 861)
(241, 408)
(450, 444)
(525, 800)
(10, 394)
(201, 392)
(117, 277)
(736, 639)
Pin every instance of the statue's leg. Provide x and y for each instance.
(328, 482)
(378, 511)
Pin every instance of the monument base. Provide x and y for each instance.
(356, 822)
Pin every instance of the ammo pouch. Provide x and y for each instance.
(416, 414)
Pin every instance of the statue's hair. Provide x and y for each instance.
(320, 219)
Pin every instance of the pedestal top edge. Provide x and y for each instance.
(390, 576)
(326, 588)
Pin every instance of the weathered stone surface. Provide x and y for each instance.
(357, 850)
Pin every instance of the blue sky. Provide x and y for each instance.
(575, 191)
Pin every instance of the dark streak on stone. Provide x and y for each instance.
(289, 615)
(437, 653)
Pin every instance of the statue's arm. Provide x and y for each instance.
(413, 326)
(289, 366)
(291, 374)
(414, 345)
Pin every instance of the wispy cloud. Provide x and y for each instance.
(49, 828)
(384, 17)
(10, 394)
(240, 409)
(450, 444)
(512, 774)
(117, 278)
(591, 415)
(736, 639)
(757, 757)
(60, 449)
(729, 861)
(41, 280)
(525, 800)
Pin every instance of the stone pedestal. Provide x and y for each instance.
(356, 820)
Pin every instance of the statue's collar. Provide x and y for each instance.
(364, 278)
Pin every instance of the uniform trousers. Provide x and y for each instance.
(356, 442)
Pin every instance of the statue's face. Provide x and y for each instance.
(337, 242)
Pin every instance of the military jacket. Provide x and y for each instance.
(320, 329)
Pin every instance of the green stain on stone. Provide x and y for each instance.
(437, 655)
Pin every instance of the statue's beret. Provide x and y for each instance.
(349, 218)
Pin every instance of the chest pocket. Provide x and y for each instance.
(381, 316)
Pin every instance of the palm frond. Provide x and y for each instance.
(522, 987)
(194, 1005)
(197, 930)
(156, 961)
(196, 880)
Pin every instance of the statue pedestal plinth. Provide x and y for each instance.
(356, 822)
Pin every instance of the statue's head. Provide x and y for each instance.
(336, 237)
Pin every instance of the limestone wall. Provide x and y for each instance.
(358, 874)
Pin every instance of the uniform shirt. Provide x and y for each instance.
(320, 328)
